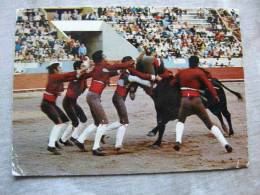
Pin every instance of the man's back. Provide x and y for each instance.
(191, 77)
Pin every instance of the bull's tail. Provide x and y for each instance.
(237, 94)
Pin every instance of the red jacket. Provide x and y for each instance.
(55, 84)
(190, 81)
(121, 86)
(77, 87)
(101, 74)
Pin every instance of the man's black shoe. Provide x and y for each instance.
(80, 146)
(57, 145)
(98, 152)
(66, 143)
(53, 150)
(228, 148)
(177, 146)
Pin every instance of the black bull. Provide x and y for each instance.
(167, 102)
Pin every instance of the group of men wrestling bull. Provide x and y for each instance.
(77, 131)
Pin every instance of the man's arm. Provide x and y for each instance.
(113, 73)
(64, 77)
(175, 81)
(141, 75)
(120, 65)
(203, 78)
(166, 74)
(86, 75)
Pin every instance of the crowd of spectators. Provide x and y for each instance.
(157, 30)
(67, 15)
(232, 20)
(36, 40)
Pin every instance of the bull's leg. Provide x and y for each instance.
(223, 125)
(132, 90)
(157, 143)
(153, 132)
(227, 115)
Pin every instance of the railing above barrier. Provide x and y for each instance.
(67, 65)
(29, 82)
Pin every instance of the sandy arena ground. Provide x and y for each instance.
(200, 150)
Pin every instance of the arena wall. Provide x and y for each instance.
(38, 81)
(113, 43)
(106, 37)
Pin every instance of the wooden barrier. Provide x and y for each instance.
(38, 81)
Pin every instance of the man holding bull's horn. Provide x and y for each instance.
(189, 81)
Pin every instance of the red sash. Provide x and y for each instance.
(121, 90)
(190, 93)
(97, 86)
(49, 97)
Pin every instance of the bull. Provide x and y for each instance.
(166, 112)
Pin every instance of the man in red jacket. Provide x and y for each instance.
(72, 108)
(125, 78)
(100, 77)
(189, 81)
(48, 106)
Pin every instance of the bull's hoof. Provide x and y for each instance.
(228, 148)
(155, 146)
(150, 134)
(231, 133)
(177, 146)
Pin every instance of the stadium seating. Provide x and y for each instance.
(169, 32)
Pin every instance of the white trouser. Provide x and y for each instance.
(102, 128)
(67, 133)
(113, 126)
(78, 130)
(85, 134)
(217, 133)
(55, 133)
(120, 135)
(179, 131)
(65, 125)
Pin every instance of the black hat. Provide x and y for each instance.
(126, 58)
(97, 56)
(194, 61)
(77, 64)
